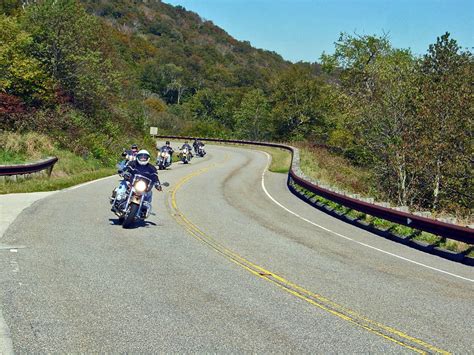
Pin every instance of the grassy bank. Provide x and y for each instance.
(54, 183)
(333, 170)
(70, 169)
(281, 159)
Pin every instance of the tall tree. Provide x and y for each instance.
(446, 109)
(378, 82)
(300, 108)
(252, 117)
(389, 128)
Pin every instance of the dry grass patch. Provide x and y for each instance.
(331, 169)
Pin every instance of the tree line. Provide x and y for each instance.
(408, 118)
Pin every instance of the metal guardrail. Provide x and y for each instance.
(29, 168)
(443, 229)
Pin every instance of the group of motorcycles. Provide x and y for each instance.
(185, 155)
(131, 200)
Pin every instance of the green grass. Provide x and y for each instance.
(70, 169)
(281, 159)
(53, 183)
(7, 157)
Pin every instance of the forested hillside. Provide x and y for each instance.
(94, 75)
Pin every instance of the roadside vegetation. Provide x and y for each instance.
(70, 169)
(281, 159)
(335, 170)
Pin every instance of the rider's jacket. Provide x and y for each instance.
(167, 149)
(148, 171)
(186, 145)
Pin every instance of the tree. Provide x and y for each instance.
(252, 117)
(355, 56)
(212, 105)
(302, 105)
(446, 108)
(378, 83)
(389, 129)
(168, 80)
(21, 73)
(66, 42)
(10, 7)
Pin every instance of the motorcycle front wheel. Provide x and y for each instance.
(130, 216)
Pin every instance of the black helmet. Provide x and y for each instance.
(134, 146)
(167, 143)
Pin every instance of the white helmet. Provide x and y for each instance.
(143, 157)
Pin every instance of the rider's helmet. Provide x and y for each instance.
(143, 157)
(134, 149)
(167, 143)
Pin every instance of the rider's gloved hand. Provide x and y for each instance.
(158, 187)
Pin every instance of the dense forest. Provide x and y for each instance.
(93, 74)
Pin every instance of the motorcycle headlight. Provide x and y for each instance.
(140, 186)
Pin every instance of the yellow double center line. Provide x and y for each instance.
(386, 332)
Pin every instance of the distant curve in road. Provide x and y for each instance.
(211, 272)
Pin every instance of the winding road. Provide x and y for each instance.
(230, 262)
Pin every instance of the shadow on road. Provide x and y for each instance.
(115, 222)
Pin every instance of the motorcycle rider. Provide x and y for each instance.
(141, 165)
(167, 148)
(196, 144)
(186, 145)
(131, 154)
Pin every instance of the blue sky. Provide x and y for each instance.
(303, 29)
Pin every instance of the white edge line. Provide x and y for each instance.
(87, 183)
(347, 238)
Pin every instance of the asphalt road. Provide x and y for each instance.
(222, 267)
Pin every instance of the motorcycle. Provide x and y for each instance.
(133, 206)
(200, 151)
(163, 161)
(185, 155)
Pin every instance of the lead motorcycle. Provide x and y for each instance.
(164, 160)
(133, 207)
